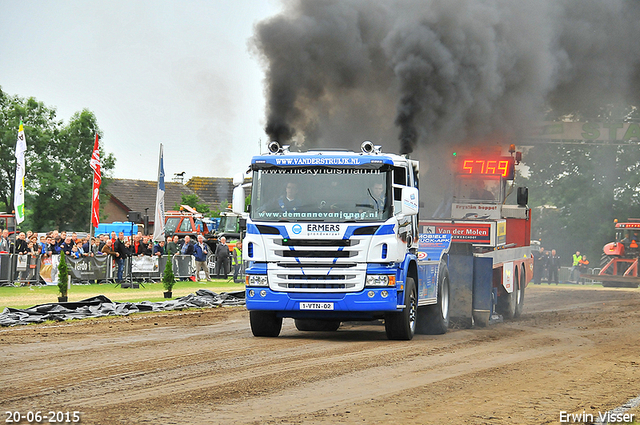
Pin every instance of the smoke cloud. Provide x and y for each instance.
(440, 71)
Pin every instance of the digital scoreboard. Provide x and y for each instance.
(498, 166)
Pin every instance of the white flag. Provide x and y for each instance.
(158, 224)
(18, 199)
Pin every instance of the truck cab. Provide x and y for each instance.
(332, 236)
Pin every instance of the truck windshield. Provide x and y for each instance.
(228, 223)
(320, 194)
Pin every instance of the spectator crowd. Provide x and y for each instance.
(119, 247)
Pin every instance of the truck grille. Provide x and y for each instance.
(316, 254)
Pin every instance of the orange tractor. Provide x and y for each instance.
(620, 259)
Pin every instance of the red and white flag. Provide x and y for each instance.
(97, 179)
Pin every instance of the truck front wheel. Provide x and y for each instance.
(265, 323)
(402, 325)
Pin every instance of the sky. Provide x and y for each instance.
(180, 73)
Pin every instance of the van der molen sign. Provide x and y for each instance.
(587, 131)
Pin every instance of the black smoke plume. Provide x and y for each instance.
(341, 71)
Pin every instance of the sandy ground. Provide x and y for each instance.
(574, 349)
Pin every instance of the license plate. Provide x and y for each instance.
(316, 306)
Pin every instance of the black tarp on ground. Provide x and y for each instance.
(101, 306)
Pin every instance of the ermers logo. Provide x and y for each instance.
(296, 229)
(323, 228)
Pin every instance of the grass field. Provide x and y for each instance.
(28, 296)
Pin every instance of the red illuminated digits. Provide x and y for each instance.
(503, 166)
(491, 167)
(468, 165)
(481, 162)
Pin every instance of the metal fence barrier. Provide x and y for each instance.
(26, 269)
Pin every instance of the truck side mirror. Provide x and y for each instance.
(238, 200)
(522, 196)
(410, 201)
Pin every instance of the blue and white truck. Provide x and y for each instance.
(332, 236)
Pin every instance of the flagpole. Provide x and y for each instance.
(158, 219)
(18, 196)
(96, 180)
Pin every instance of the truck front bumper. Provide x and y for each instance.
(363, 304)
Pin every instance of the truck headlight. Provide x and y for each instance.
(257, 280)
(381, 280)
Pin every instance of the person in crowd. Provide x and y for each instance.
(94, 248)
(538, 265)
(21, 244)
(67, 245)
(113, 238)
(56, 246)
(42, 246)
(75, 251)
(171, 248)
(236, 260)
(150, 246)
(139, 248)
(159, 249)
(121, 252)
(103, 241)
(583, 266)
(31, 249)
(29, 234)
(74, 238)
(554, 267)
(187, 246)
(34, 239)
(108, 249)
(200, 252)
(222, 258)
(46, 246)
(5, 242)
(84, 246)
(574, 269)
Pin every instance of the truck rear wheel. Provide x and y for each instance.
(265, 323)
(317, 325)
(434, 319)
(520, 298)
(508, 302)
(402, 325)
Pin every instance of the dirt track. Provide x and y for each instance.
(573, 349)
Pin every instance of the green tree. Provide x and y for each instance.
(168, 278)
(41, 127)
(63, 275)
(194, 202)
(578, 191)
(58, 178)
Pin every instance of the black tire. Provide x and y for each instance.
(265, 323)
(520, 297)
(402, 325)
(314, 325)
(434, 319)
(507, 303)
